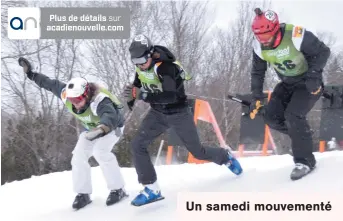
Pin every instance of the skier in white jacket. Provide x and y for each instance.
(100, 113)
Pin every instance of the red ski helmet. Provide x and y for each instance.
(265, 27)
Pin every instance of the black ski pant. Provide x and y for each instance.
(286, 112)
(156, 123)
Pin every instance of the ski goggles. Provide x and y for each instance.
(141, 60)
(76, 100)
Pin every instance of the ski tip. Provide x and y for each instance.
(138, 205)
(77, 209)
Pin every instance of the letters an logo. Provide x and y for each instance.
(17, 23)
(24, 23)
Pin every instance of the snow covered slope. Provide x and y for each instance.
(49, 197)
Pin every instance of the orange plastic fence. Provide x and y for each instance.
(322, 144)
(268, 139)
(169, 155)
(267, 134)
(203, 111)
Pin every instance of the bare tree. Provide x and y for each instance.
(40, 115)
(4, 12)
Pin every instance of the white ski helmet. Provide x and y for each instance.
(77, 87)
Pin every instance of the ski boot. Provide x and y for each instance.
(147, 196)
(233, 164)
(115, 196)
(81, 200)
(300, 170)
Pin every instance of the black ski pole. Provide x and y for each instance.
(244, 102)
(247, 103)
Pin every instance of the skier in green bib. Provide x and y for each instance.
(298, 58)
(100, 113)
(159, 81)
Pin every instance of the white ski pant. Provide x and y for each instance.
(101, 150)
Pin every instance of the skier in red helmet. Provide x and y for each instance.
(298, 58)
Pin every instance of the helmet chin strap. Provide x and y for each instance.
(152, 63)
(84, 108)
(275, 41)
(152, 59)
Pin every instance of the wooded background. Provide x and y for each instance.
(38, 134)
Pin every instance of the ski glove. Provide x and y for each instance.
(100, 131)
(23, 62)
(132, 93)
(314, 85)
(255, 107)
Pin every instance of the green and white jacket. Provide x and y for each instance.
(104, 107)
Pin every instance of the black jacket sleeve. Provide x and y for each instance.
(316, 53)
(167, 72)
(137, 82)
(53, 85)
(109, 115)
(258, 72)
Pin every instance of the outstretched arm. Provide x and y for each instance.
(53, 85)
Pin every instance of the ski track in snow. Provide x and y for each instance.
(49, 197)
